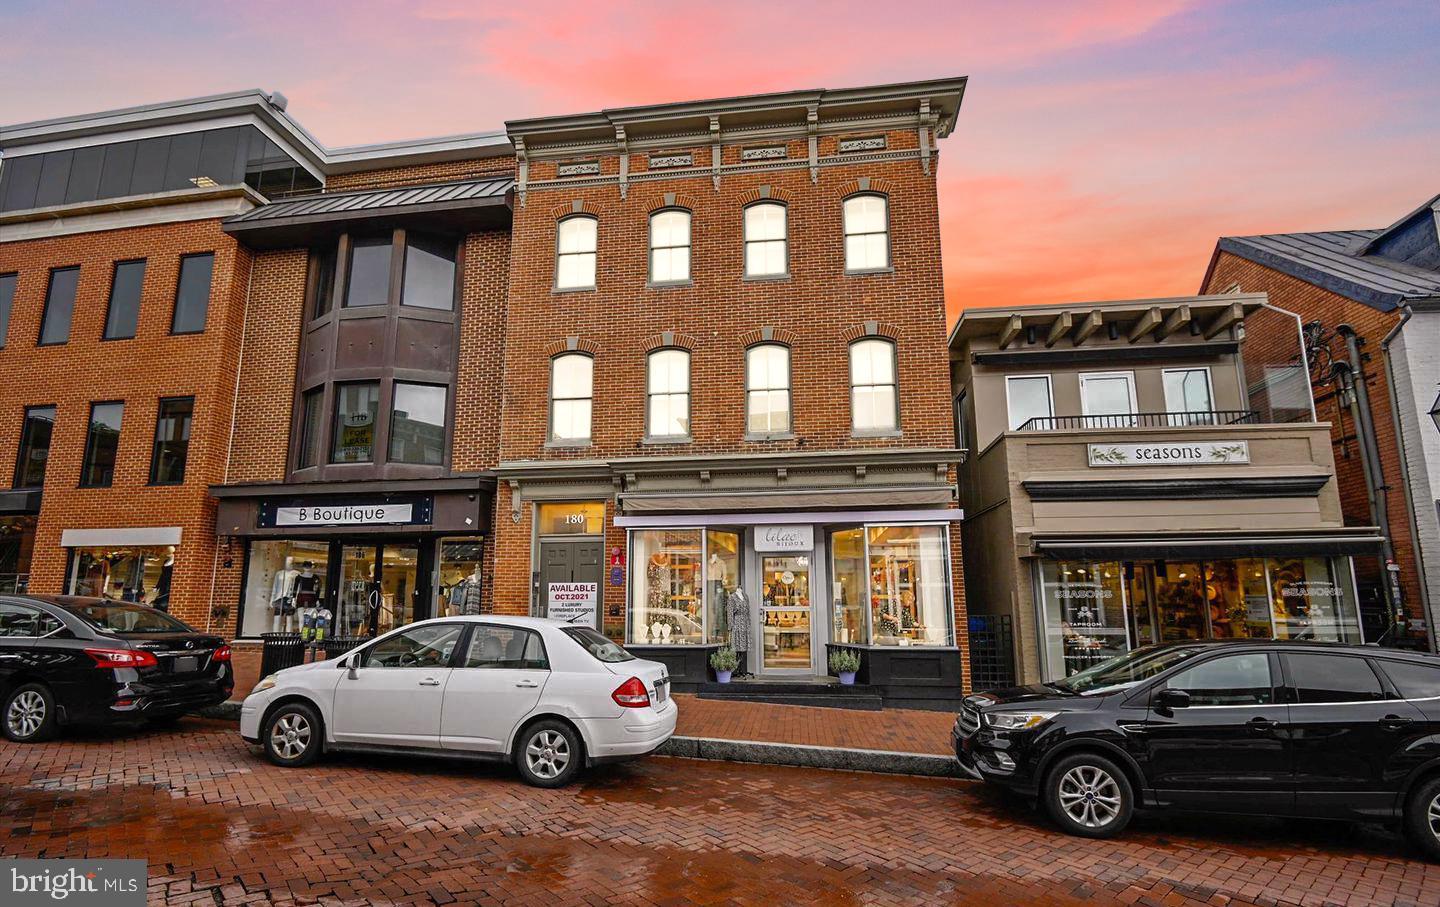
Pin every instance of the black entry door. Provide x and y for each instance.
(569, 561)
(1228, 751)
(1351, 737)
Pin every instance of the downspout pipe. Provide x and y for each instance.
(1353, 377)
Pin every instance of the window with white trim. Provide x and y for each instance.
(670, 246)
(874, 401)
(767, 389)
(575, 244)
(1188, 396)
(572, 381)
(766, 245)
(668, 394)
(867, 233)
(1028, 397)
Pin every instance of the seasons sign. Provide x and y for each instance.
(1163, 453)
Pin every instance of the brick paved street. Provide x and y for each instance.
(220, 826)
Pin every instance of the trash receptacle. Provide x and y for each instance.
(280, 651)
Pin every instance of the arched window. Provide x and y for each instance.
(867, 233)
(767, 389)
(575, 253)
(874, 403)
(670, 246)
(572, 381)
(766, 252)
(667, 387)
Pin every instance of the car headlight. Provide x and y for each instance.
(1017, 721)
(266, 683)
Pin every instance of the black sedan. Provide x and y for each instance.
(1294, 729)
(67, 660)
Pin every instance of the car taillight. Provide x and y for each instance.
(122, 658)
(631, 694)
(221, 654)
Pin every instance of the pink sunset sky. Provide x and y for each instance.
(1101, 149)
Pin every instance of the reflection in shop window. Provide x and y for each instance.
(1084, 613)
(1311, 599)
(909, 580)
(417, 424)
(667, 587)
(460, 580)
(848, 587)
(286, 579)
(722, 576)
(131, 574)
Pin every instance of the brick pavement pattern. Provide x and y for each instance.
(221, 826)
(892, 730)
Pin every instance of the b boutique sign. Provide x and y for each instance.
(1170, 453)
(780, 539)
(344, 515)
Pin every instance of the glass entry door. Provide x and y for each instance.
(785, 613)
(379, 586)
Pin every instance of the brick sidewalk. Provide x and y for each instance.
(892, 730)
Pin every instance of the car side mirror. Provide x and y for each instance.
(349, 666)
(1172, 699)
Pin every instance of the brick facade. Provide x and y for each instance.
(1313, 303)
(139, 371)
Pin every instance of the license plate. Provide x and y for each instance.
(661, 689)
(186, 665)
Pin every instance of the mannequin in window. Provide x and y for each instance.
(737, 608)
(282, 597)
(715, 577)
(465, 595)
(160, 595)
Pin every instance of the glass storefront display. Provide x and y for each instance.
(785, 611)
(667, 594)
(17, 542)
(1095, 610)
(461, 582)
(848, 585)
(722, 575)
(133, 574)
(909, 586)
(284, 577)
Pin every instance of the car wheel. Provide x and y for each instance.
(29, 714)
(1089, 796)
(548, 754)
(292, 735)
(1422, 818)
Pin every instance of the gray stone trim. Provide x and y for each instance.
(854, 760)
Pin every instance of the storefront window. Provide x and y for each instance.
(666, 589)
(17, 542)
(1179, 601)
(909, 604)
(1311, 599)
(1084, 613)
(132, 574)
(1239, 605)
(284, 579)
(460, 579)
(722, 575)
(848, 587)
(582, 518)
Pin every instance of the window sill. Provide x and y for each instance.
(40, 345)
(765, 278)
(667, 439)
(668, 284)
(777, 436)
(589, 289)
(557, 444)
(862, 272)
(115, 339)
(165, 484)
(876, 433)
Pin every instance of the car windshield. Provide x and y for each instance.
(121, 618)
(1126, 670)
(597, 644)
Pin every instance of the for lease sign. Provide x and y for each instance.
(577, 603)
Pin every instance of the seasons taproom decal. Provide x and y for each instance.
(1162, 453)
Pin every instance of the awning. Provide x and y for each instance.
(1352, 542)
(106, 538)
(799, 499)
(19, 503)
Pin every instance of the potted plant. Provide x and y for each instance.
(845, 662)
(724, 661)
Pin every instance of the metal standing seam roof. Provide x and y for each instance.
(374, 199)
(1328, 261)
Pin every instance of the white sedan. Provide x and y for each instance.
(549, 696)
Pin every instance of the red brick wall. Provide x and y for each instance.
(139, 371)
(1313, 303)
(427, 173)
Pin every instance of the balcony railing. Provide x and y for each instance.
(1144, 420)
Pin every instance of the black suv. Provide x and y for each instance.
(1297, 729)
(71, 660)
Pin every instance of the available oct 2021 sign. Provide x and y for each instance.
(1163, 453)
(577, 603)
(344, 515)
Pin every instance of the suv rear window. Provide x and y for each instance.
(1414, 680)
(130, 619)
(597, 644)
(1332, 678)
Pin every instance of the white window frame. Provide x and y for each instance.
(1172, 414)
(894, 429)
(846, 233)
(1109, 420)
(594, 253)
(784, 240)
(1049, 396)
(688, 246)
(651, 393)
(552, 439)
(789, 388)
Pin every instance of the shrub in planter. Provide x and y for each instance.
(845, 662)
(724, 661)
